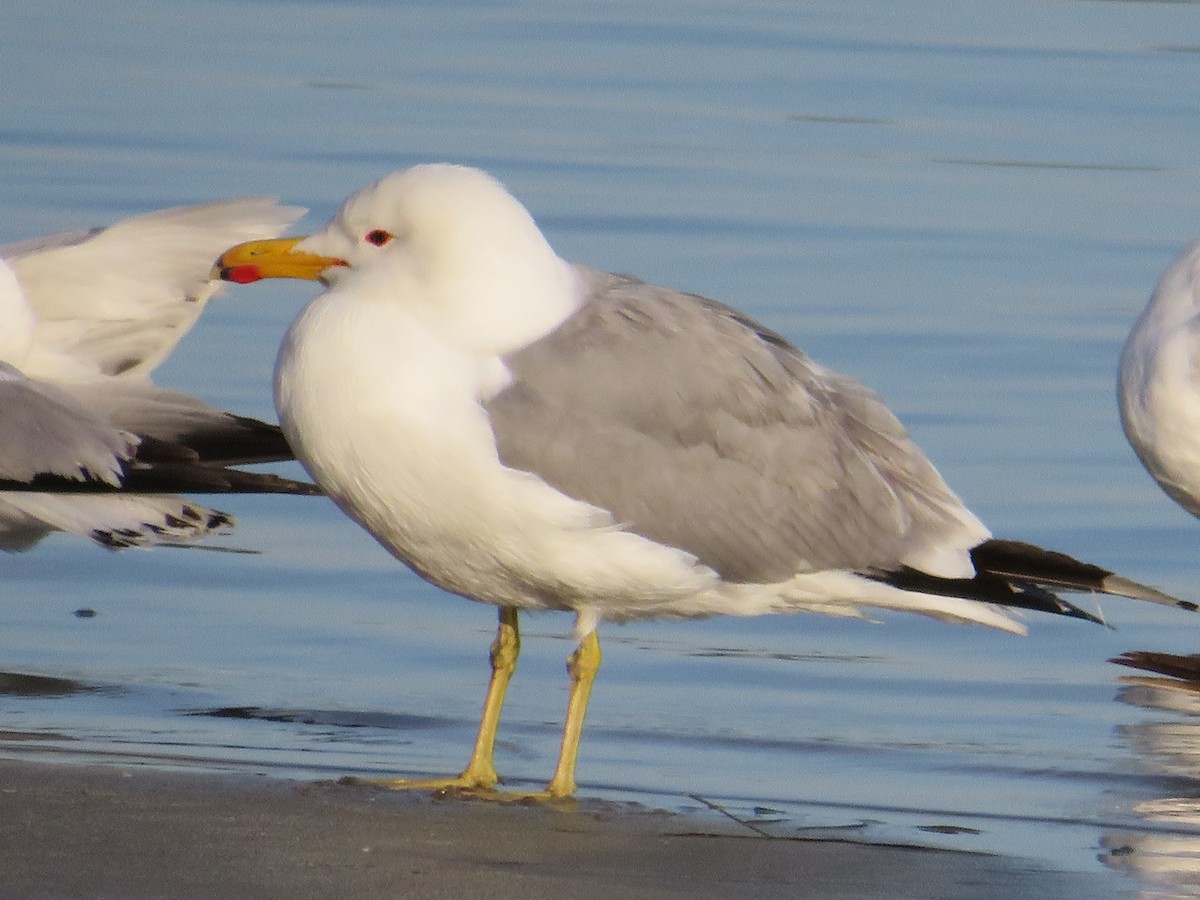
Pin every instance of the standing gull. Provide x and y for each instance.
(85, 316)
(535, 434)
(1159, 382)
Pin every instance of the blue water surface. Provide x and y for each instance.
(963, 204)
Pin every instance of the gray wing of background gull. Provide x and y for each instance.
(698, 428)
(50, 441)
(47, 436)
(214, 435)
(45, 431)
(55, 450)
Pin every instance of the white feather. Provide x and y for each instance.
(1159, 382)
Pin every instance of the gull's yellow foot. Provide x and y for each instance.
(479, 777)
(466, 783)
(467, 787)
(539, 798)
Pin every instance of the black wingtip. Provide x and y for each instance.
(987, 587)
(1019, 561)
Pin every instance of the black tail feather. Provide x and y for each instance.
(170, 478)
(242, 440)
(1020, 575)
(194, 464)
(987, 587)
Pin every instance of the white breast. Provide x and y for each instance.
(1160, 404)
(387, 419)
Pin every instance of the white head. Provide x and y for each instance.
(1176, 299)
(447, 243)
(1161, 336)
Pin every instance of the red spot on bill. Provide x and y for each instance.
(241, 274)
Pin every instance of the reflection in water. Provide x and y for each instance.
(1169, 858)
(26, 685)
(20, 684)
(329, 717)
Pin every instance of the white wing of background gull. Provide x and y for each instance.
(1159, 382)
(116, 300)
(538, 435)
(87, 314)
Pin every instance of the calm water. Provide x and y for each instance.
(963, 204)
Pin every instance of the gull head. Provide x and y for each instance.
(448, 244)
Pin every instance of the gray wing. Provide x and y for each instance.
(60, 239)
(216, 436)
(53, 447)
(45, 431)
(700, 429)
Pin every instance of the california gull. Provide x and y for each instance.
(539, 435)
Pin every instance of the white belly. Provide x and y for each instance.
(1160, 408)
(397, 437)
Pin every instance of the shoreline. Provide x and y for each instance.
(134, 832)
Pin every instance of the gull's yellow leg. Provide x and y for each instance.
(582, 667)
(480, 773)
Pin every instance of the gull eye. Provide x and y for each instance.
(378, 237)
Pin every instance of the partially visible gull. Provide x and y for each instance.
(51, 442)
(116, 300)
(1159, 382)
(535, 434)
(85, 317)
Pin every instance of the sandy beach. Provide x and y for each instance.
(134, 833)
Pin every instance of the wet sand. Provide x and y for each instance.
(134, 833)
